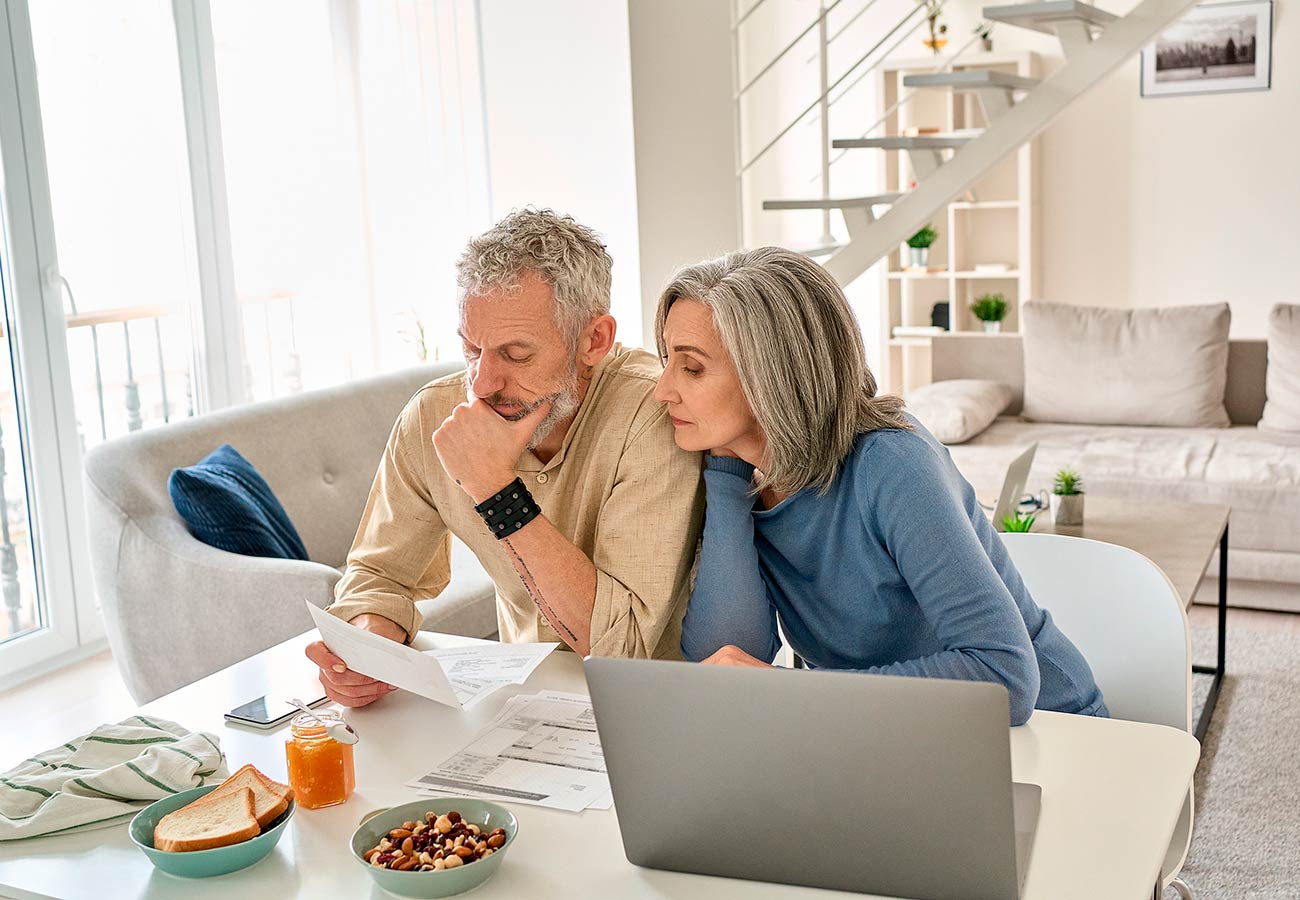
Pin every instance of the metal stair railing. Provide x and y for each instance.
(945, 66)
(823, 101)
(1086, 66)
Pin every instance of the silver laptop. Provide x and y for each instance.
(1013, 487)
(868, 783)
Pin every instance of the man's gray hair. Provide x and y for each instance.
(797, 348)
(569, 257)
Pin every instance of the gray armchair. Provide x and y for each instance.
(176, 609)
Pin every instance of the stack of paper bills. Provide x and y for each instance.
(542, 749)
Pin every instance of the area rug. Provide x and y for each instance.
(1246, 841)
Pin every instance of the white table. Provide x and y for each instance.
(1112, 792)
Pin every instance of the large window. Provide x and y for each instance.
(119, 185)
(209, 203)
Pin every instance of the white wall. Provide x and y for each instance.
(684, 134)
(1172, 200)
(618, 113)
(558, 92)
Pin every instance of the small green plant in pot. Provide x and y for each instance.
(1016, 523)
(990, 309)
(985, 32)
(920, 246)
(1067, 498)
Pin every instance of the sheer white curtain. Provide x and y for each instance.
(423, 141)
(356, 169)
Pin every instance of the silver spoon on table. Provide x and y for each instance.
(339, 730)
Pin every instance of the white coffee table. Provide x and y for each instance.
(1112, 792)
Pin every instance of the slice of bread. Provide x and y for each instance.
(270, 798)
(203, 825)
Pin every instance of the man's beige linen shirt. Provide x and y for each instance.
(620, 489)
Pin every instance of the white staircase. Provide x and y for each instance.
(1094, 42)
(1072, 21)
(925, 151)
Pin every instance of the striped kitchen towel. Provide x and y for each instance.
(97, 779)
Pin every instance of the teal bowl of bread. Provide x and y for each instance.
(217, 829)
(435, 847)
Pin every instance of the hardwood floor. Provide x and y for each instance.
(87, 686)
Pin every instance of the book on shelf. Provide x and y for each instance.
(917, 330)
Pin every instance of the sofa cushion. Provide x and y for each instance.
(1089, 365)
(226, 504)
(1256, 474)
(957, 410)
(1282, 383)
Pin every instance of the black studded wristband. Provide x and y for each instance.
(508, 510)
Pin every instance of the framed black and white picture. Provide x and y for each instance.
(1215, 48)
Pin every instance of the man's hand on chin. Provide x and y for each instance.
(479, 449)
(344, 686)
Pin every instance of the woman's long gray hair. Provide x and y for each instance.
(797, 348)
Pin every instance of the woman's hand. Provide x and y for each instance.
(731, 655)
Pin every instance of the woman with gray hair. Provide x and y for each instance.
(831, 509)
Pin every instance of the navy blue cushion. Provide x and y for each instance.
(226, 504)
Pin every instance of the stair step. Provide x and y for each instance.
(1041, 16)
(971, 80)
(833, 203)
(816, 250)
(901, 142)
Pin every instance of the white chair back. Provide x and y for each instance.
(1121, 611)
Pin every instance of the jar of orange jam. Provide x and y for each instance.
(320, 768)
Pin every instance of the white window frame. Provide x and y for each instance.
(48, 432)
(219, 360)
(73, 627)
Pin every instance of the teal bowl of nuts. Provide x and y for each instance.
(435, 847)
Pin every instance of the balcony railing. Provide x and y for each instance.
(121, 356)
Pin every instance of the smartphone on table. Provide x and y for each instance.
(273, 708)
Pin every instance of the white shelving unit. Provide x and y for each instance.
(992, 223)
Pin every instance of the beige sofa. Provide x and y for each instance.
(1256, 473)
(176, 609)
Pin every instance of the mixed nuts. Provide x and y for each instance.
(437, 842)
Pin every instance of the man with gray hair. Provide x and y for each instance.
(548, 456)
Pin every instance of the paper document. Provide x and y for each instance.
(507, 663)
(541, 749)
(470, 673)
(471, 691)
(385, 660)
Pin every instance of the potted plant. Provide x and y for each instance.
(936, 41)
(985, 32)
(920, 246)
(990, 309)
(1067, 498)
(1018, 523)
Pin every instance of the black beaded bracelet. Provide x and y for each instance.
(508, 510)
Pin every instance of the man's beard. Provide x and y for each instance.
(564, 403)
